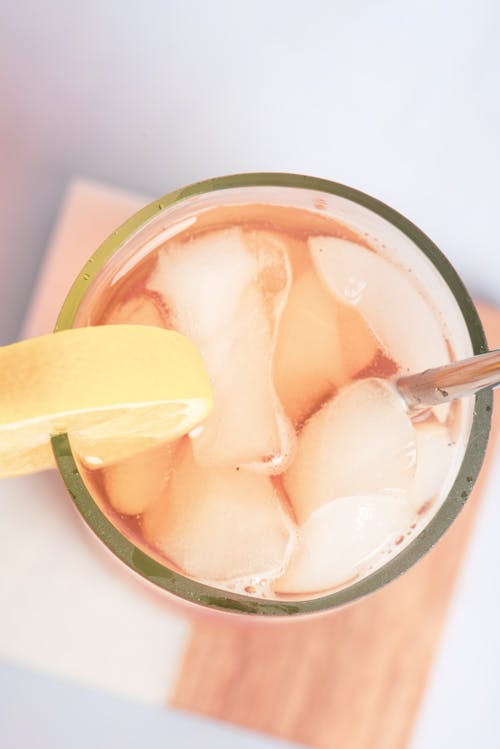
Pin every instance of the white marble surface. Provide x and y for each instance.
(69, 607)
(399, 99)
(37, 712)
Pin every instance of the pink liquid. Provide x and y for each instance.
(308, 474)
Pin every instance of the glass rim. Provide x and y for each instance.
(205, 595)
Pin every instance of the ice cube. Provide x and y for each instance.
(401, 318)
(225, 290)
(143, 309)
(435, 458)
(342, 539)
(308, 361)
(361, 442)
(132, 485)
(220, 523)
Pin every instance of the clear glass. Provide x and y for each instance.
(400, 241)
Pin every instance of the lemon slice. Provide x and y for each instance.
(114, 389)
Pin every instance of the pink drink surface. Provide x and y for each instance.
(308, 474)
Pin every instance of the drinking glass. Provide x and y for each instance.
(400, 241)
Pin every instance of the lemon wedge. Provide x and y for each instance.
(115, 389)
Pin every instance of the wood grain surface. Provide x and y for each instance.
(352, 679)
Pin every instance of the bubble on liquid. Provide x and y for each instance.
(411, 456)
(196, 432)
(93, 461)
(353, 289)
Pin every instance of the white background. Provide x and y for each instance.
(400, 99)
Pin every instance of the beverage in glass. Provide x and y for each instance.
(309, 485)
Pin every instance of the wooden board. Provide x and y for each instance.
(353, 679)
